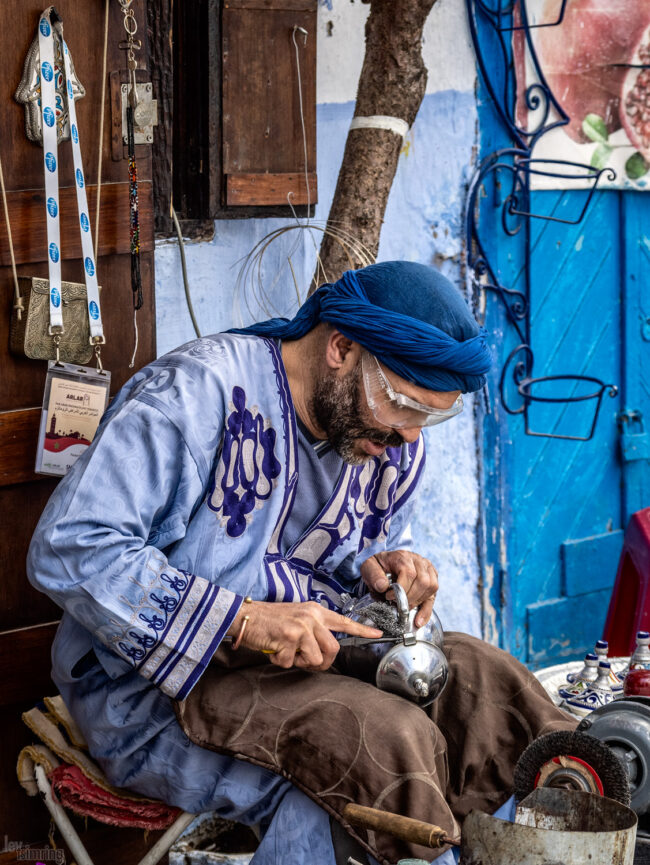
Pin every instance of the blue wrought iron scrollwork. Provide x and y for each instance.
(509, 10)
(497, 26)
(525, 168)
(526, 384)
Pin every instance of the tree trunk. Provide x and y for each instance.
(392, 82)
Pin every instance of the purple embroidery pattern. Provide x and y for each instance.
(385, 492)
(364, 500)
(155, 621)
(247, 469)
(377, 499)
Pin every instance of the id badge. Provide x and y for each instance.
(74, 401)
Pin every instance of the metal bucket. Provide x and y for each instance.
(553, 826)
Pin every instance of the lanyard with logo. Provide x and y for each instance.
(50, 27)
(75, 396)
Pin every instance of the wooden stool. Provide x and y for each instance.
(75, 843)
(61, 761)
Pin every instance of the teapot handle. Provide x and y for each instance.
(401, 600)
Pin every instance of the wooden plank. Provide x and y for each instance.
(22, 160)
(29, 229)
(32, 645)
(117, 145)
(634, 279)
(590, 564)
(572, 623)
(261, 117)
(160, 25)
(21, 605)
(18, 438)
(264, 189)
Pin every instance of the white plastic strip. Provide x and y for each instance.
(381, 121)
(163, 844)
(90, 269)
(48, 112)
(61, 819)
(48, 117)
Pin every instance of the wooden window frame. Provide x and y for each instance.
(188, 147)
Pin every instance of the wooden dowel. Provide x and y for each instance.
(406, 828)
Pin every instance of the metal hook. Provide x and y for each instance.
(297, 29)
(57, 340)
(98, 352)
(133, 89)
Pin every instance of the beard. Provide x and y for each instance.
(335, 405)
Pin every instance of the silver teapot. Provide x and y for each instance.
(405, 660)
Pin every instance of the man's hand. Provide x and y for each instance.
(296, 634)
(414, 573)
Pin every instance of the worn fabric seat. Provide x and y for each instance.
(60, 768)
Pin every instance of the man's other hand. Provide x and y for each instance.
(414, 573)
(297, 635)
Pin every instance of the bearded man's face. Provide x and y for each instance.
(340, 409)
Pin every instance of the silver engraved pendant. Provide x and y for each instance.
(29, 92)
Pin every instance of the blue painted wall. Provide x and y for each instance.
(554, 510)
(423, 223)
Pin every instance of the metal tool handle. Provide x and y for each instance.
(406, 828)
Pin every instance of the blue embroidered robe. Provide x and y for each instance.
(178, 510)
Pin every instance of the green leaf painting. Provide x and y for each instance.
(594, 128)
(600, 156)
(636, 166)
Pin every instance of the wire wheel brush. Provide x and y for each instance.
(573, 761)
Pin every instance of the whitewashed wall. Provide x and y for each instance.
(423, 223)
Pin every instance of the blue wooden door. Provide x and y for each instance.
(553, 509)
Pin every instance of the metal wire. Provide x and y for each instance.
(254, 295)
(181, 248)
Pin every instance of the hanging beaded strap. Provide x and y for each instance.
(131, 45)
(136, 278)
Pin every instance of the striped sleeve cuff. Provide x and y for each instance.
(191, 637)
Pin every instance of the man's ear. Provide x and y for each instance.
(341, 353)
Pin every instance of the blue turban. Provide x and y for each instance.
(408, 315)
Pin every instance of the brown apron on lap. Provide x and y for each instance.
(341, 740)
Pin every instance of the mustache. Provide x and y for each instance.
(382, 439)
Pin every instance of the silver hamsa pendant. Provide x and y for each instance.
(29, 91)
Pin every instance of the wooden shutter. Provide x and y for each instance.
(263, 146)
(229, 80)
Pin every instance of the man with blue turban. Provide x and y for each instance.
(239, 487)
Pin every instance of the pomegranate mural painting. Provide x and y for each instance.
(596, 62)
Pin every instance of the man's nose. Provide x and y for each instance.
(410, 434)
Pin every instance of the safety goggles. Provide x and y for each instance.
(395, 409)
